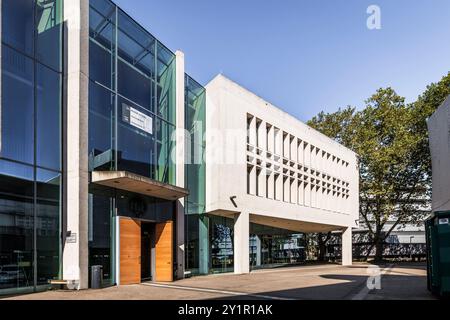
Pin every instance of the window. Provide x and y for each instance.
(17, 107)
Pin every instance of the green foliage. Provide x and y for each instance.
(391, 139)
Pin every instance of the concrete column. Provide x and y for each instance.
(261, 181)
(278, 142)
(75, 249)
(270, 186)
(252, 131)
(241, 243)
(252, 181)
(347, 254)
(271, 140)
(294, 191)
(179, 161)
(279, 190)
(262, 136)
(300, 153)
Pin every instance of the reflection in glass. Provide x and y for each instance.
(222, 244)
(17, 24)
(48, 119)
(49, 32)
(17, 110)
(100, 232)
(16, 226)
(48, 187)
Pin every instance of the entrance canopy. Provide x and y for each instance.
(131, 182)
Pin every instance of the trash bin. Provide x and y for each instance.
(438, 253)
(96, 277)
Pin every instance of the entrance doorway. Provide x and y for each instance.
(146, 251)
(147, 232)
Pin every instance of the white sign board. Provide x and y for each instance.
(137, 119)
(444, 221)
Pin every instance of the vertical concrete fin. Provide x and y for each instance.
(180, 156)
(75, 233)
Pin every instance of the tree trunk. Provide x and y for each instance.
(379, 247)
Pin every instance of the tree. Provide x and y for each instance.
(394, 177)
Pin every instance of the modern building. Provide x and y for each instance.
(439, 131)
(108, 158)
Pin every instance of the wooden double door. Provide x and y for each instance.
(135, 251)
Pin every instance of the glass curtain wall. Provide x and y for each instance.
(196, 224)
(132, 96)
(273, 247)
(30, 144)
(131, 116)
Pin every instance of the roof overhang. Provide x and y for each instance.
(124, 180)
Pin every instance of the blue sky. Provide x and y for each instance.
(306, 56)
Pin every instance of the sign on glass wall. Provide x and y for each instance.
(137, 119)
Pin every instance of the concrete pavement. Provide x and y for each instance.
(324, 282)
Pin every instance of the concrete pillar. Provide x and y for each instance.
(252, 131)
(241, 243)
(179, 161)
(347, 254)
(262, 136)
(271, 140)
(252, 180)
(75, 249)
(270, 186)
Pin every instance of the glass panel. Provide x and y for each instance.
(135, 139)
(100, 231)
(102, 44)
(166, 85)
(48, 118)
(18, 24)
(273, 247)
(136, 46)
(101, 126)
(49, 32)
(195, 112)
(16, 226)
(135, 85)
(48, 186)
(17, 110)
(221, 239)
(165, 152)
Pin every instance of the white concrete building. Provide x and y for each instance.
(439, 130)
(266, 167)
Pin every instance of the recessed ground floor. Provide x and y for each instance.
(324, 282)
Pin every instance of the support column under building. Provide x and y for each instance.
(75, 230)
(242, 243)
(347, 254)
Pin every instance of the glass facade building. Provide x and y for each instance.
(131, 124)
(30, 144)
(134, 225)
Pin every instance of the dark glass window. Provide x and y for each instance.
(100, 231)
(18, 24)
(101, 112)
(16, 225)
(49, 32)
(135, 146)
(48, 186)
(48, 118)
(17, 112)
